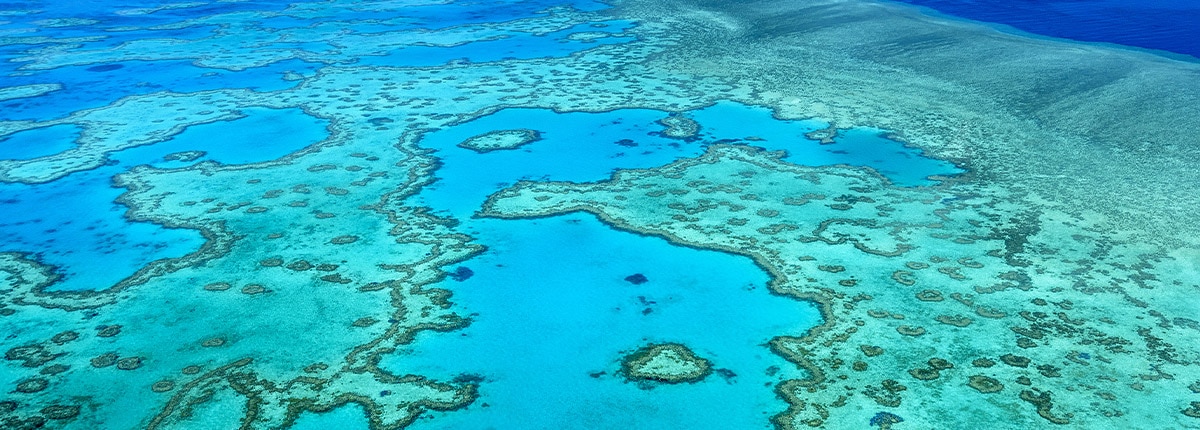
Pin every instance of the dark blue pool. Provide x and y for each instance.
(1168, 25)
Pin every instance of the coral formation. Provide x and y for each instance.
(671, 363)
(500, 140)
(1063, 262)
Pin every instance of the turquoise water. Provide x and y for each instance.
(551, 308)
(261, 135)
(573, 147)
(556, 323)
(586, 147)
(514, 46)
(361, 278)
(860, 146)
(549, 301)
(75, 224)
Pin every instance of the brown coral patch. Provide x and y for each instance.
(129, 363)
(32, 385)
(956, 320)
(252, 289)
(985, 384)
(940, 364)
(1193, 410)
(904, 277)
(983, 362)
(336, 278)
(64, 337)
(930, 296)
(60, 412)
(217, 286)
(163, 386)
(54, 369)
(1015, 360)
(1043, 402)
(299, 265)
(925, 374)
(30, 355)
(871, 350)
(887, 394)
(104, 360)
(109, 330)
(987, 312)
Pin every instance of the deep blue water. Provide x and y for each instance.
(38, 142)
(1168, 25)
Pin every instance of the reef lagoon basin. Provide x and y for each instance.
(620, 214)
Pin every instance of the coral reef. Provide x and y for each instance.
(501, 139)
(670, 363)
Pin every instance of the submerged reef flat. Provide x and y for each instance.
(24, 91)
(671, 363)
(107, 130)
(680, 127)
(1053, 283)
(500, 139)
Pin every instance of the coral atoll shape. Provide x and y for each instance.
(671, 363)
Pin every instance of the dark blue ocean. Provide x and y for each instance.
(1167, 25)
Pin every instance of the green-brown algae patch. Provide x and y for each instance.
(501, 140)
(670, 363)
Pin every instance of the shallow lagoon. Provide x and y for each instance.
(92, 86)
(553, 315)
(75, 224)
(552, 312)
(557, 323)
(39, 142)
(861, 146)
(513, 46)
(584, 147)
